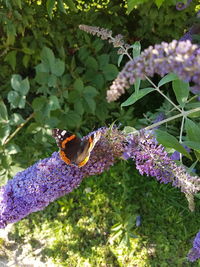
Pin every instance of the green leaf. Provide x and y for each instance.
(19, 3)
(181, 90)
(48, 57)
(73, 96)
(131, 4)
(159, 3)
(98, 81)
(110, 72)
(58, 68)
(78, 106)
(43, 67)
(42, 78)
(71, 5)
(136, 49)
(78, 85)
(54, 103)
(12, 149)
(16, 82)
(52, 81)
(24, 86)
(4, 132)
(90, 91)
(168, 140)
(16, 119)
(38, 103)
(16, 100)
(192, 130)
(129, 130)
(168, 78)
(193, 145)
(91, 104)
(120, 59)
(11, 59)
(72, 119)
(91, 63)
(137, 85)
(103, 60)
(61, 6)
(50, 5)
(3, 112)
(136, 96)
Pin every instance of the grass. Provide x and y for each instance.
(95, 224)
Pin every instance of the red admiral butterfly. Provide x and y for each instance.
(73, 150)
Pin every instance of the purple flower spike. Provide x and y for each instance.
(194, 253)
(152, 159)
(48, 179)
(179, 57)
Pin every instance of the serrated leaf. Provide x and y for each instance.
(110, 72)
(168, 78)
(72, 119)
(38, 103)
(103, 60)
(53, 102)
(78, 107)
(181, 90)
(3, 112)
(91, 104)
(78, 85)
(192, 130)
(73, 96)
(90, 91)
(48, 57)
(58, 68)
(91, 63)
(50, 5)
(168, 140)
(52, 81)
(136, 96)
(11, 59)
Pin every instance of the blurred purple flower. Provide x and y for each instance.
(34, 188)
(181, 5)
(194, 253)
(179, 57)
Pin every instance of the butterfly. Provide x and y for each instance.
(73, 150)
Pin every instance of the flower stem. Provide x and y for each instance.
(184, 114)
(18, 129)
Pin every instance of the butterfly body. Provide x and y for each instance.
(73, 150)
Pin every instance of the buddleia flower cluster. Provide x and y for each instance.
(48, 179)
(34, 188)
(106, 34)
(179, 57)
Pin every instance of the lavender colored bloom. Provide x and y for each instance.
(181, 5)
(151, 159)
(194, 253)
(179, 57)
(48, 179)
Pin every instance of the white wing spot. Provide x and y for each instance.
(63, 133)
